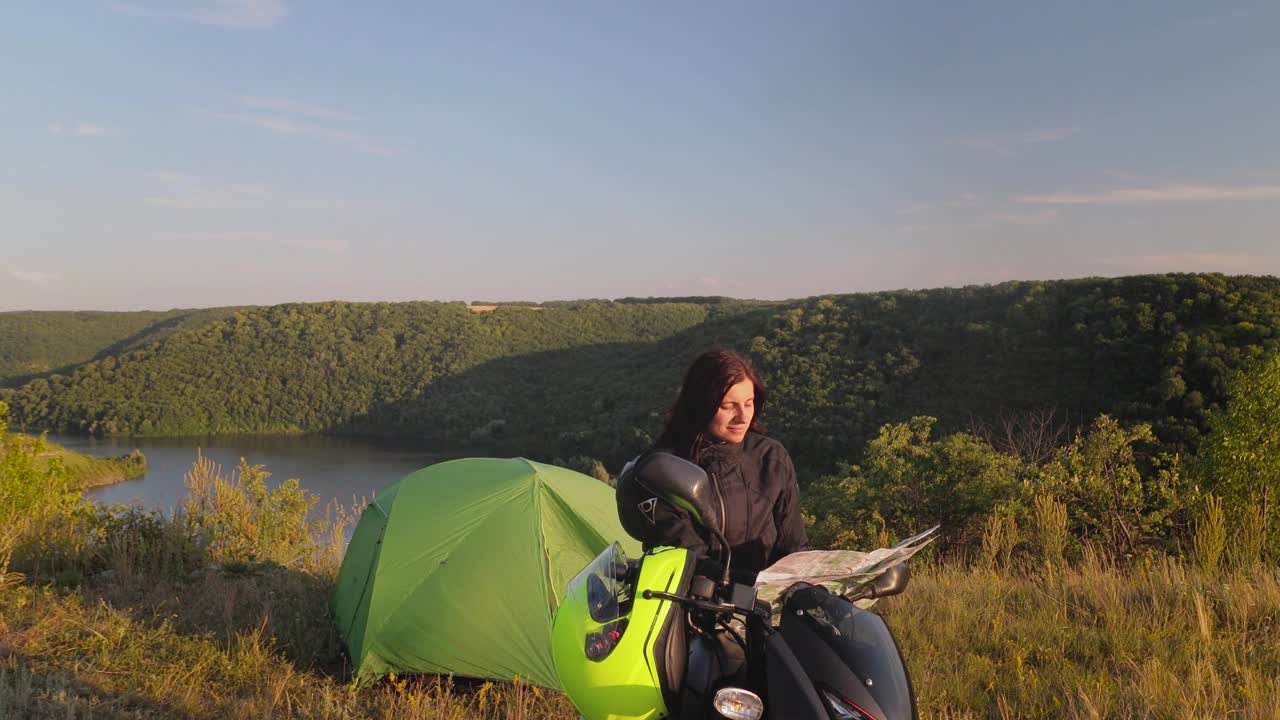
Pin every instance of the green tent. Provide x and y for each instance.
(458, 568)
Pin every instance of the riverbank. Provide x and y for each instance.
(84, 472)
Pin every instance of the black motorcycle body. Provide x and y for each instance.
(829, 660)
(847, 652)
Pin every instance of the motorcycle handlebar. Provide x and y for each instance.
(722, 608)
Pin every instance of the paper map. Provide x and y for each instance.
(842, 572)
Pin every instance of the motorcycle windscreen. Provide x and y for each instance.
(871, 652)
(603, 580)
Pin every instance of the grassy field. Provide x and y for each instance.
(86, 472)
(250, 640)
(1162, 641)
(221, 610)
(136, 638)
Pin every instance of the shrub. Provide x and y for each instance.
(588, 466)
(910, 482)
(34, 495)
(1109, 498)
(239, 518)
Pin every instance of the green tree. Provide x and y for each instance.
(1241, 458)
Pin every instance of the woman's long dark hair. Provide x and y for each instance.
(704, 387)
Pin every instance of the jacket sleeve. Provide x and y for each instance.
(654, 521)
(792, 536)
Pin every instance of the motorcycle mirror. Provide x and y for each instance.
(893, 581)
(682, 483)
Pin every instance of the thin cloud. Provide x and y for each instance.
(310, 243)
(315, 244)
(185, 192)
(295, 107)
(238, 14)
(87, 130)
(81, 130)
(964, 200)
(987, 145)
(970, 212)
(1195, 262)
(1005, 144)
(292, 128)
(191, 192)
(248, 14)
(961, 201)
(224, 238)
(40, 279)
(1166, 194)
(1043, 217)
(1036, 137)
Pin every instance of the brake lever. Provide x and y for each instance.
(700, 604)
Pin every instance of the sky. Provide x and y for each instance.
(159, 154)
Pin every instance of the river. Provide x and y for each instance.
(334, 468)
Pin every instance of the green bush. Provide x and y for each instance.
(1110, 500)
(34, 495)
(238, 518)
(909, 482)
(588, 466)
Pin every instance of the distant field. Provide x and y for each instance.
(491, 308)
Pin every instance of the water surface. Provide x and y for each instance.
(334, 468)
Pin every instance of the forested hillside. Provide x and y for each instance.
(323, 367)
(592, 378)
(38, 343)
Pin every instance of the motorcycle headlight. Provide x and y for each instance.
(738, 704)
(843, 709)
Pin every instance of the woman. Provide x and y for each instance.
(714, 423)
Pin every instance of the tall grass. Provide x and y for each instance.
(1049, 523)
(237, 518)
(1210, 538)
(999, 539)
(1245, 547)
(1094, 641)
(221, 610)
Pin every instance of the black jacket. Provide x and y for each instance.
(760, 510)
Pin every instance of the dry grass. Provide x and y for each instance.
(65, 657)
(222, 611)
(1163, 641)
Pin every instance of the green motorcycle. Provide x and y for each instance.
(644, 638)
